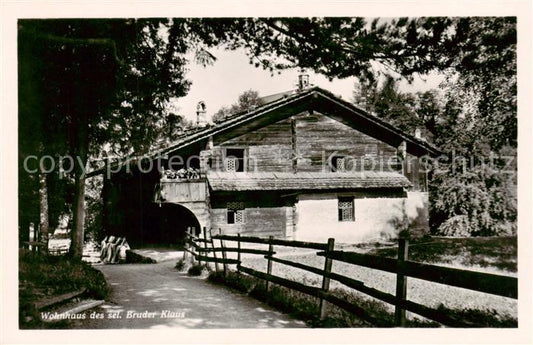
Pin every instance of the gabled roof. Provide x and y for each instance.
(287, 104)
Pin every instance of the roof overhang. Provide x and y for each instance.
(287, 181)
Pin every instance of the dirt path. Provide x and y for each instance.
(156, 296)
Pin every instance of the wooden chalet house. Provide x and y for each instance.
(306, 165)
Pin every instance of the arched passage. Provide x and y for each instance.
(167, 224)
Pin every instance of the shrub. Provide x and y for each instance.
(480, 201)
(457, 226)
(195, 270)
(180, 265)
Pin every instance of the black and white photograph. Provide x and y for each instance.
(250, 170)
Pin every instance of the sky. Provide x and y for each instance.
(221, 83)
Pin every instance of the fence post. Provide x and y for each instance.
(224, 256)
(214, 252)
(193, 248)
(186, 246)
(205, 246)
(401, 283)
(239, 253)
(196, 253)
(269, 263)
(325, 278)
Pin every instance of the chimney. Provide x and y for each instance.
(303, 80)
(201, 110)
(418, 133)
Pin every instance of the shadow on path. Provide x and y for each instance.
(156, 296)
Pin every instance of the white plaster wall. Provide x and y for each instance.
(317, 217)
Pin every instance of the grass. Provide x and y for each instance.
(497, 252)
(304, 307)
(481, 318)
(42, 276)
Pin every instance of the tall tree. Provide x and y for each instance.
(387, 102)
(246, 101)
(96, 82)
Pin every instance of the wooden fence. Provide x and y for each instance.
(200, 248)
(40, 247)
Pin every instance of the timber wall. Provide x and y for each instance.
(259, 221)
(309, 138)
(319, 136)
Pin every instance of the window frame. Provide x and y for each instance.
(340, 210)
(334, 163)
(242, 161)
(233, 209)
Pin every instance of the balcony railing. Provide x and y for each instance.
(185, 185)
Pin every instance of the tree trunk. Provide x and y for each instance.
(77, 232)
(78, 209)
(43, 213)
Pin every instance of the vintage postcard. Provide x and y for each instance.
(269, 172)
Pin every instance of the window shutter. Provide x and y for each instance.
(231, 164)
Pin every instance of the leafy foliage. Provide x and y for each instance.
(388, 103)
(92, 88)
(476, 201)
(248, 100)
(474, 116)
(456, 226)
(345, 46)
(473, 194)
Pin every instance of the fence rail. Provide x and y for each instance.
(483, 282)
(286, 243)
(403, 268)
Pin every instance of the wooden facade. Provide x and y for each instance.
(290, 169)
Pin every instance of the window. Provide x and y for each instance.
(338, 164)
(234, 161)
(346, 209)
(235, 212)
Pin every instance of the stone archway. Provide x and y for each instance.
(167, 224)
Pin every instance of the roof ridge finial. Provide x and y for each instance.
(303, 80)
(201, 110)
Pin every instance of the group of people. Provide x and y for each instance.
(113, 250)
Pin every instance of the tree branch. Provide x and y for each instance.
(77, 41)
